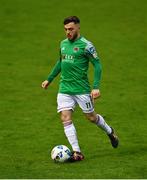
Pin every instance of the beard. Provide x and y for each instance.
(74, 37)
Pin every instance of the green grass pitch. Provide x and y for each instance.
(30, 33)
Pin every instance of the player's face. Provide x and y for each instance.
(72, 31)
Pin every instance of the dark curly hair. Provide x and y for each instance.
(70, 19)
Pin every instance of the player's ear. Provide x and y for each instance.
(78, 26)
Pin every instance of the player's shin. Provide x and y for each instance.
(102, 124)
(71, 135)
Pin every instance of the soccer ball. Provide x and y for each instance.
(60, 153)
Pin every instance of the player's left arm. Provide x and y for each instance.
(95, 93)
(94, 59)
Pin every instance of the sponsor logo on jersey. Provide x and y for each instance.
(67, 57)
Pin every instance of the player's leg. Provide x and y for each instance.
(100, 122)
(66, 105)
(86, 105)
(71, 134)
(69, 129)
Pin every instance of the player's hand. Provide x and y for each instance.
(45, 84)
(95, 93)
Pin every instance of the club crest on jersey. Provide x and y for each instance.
(76, 49)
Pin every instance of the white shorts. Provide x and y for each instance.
(68, 102)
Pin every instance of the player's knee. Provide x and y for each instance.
(65, 116)
(91, 117)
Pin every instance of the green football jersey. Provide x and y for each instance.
(73, 65)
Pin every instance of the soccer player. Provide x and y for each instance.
(75, 54)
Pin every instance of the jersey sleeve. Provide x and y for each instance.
(91, 51)
(94, 59)
(55, 71)
(97, 72)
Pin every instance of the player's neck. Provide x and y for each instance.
(78, 36)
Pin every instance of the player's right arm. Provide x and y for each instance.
(55, 71)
